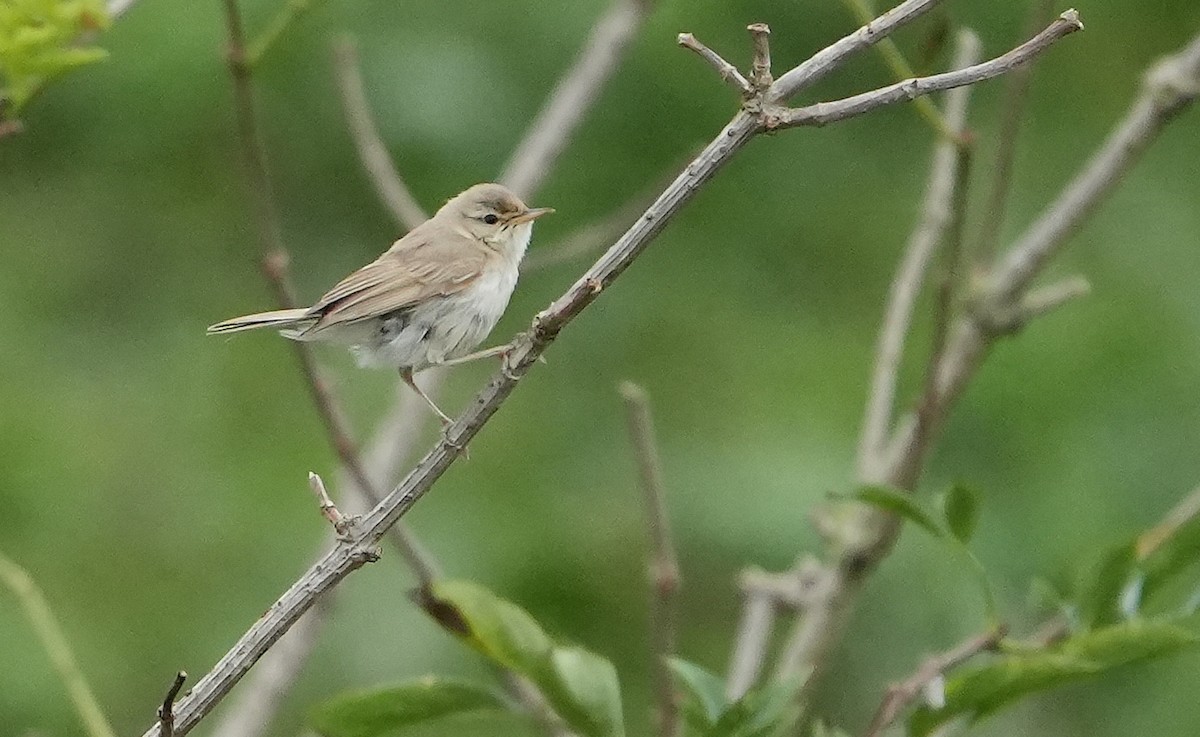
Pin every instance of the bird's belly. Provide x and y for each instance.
(439, 329)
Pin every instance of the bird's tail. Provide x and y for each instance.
(275, 319)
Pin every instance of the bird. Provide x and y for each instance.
(430, 299)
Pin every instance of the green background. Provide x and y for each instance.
(153, 480)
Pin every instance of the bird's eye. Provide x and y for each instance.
(491, 218)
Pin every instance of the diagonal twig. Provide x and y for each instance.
(527, 348)
(166, 711)
(900, 695)
(664, 564)
(728, 72)
(573, 97)
(823, 113)
(372, 152)
(937, 214)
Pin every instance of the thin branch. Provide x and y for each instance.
(900, 68)
(728, 72)
(947, 291)
(833, 56)
(763, 594)
(823, 113)
(527, 348)
(900, 695)
(936, 217)
(166, 712)
(1049, 298)
(50, 635)
(280, 22)
(1016, 94)
(760, 67)
(1170, 86)
(664, 564)
(262, 695)
(592, 236)
(574, 96)
(1185, 511)
(372, 152)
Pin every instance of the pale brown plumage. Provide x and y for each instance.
(432, 297)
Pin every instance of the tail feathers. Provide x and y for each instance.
(275, 318)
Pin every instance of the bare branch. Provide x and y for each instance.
(265, 689)
(1185, 511)
(760, 68)
(936, 217)
(1049, 298)
(729, 73)
(50, 636)
(527, 348)
(823, 113)
(329, 510)
(900, 695)
(1170, 86)
(1016, 93)
(372, 152)
(166, 712)
(833, 56)
(590, 237)
(664, 564)
(573, 96)
(763, 594)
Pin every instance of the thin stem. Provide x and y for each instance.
(280, 22)
(664, 564)
(728, 72)
(936, 217)
(823, 113)
(372, 152)
(1016, 94)
(574, 96)
(901, 69)
(900, 695)
(50, 635)
(166, 712)
(760, 67)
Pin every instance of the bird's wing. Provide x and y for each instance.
(401, 278)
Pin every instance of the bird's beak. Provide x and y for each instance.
(532, 213)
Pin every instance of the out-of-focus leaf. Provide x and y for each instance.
(1180, 550)
(977, 692)
(584, 690)
(760, 712)
(703, 693)
(581, 686)
(504, 632)
(389, 710)
(821, 729)
(961, 510)
(1100, 604)
(900, 503)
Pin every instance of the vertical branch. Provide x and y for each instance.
(54, 642)
(937, 214)
(1016, 94)
(573, 96)
(166, 712)
(664, 565)
(372, 152)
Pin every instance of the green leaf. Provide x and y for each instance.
(898, 502)
(581, 686)
(703, 693)
(1179, 551)
(760, 712)
(980, 691)
(1100, 603)
(392, 709)
(584, 690)
(961, 510)
(504, 632)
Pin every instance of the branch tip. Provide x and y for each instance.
(166, 712)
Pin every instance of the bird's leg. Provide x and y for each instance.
(407, 374)
(499, 350)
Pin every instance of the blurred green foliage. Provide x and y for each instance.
(40, 39)
(153, 481)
